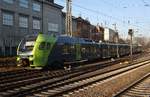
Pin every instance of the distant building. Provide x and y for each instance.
(110, 35)
(83, 28)
(22, 17)
(97, 33)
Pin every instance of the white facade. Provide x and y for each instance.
(109, 35)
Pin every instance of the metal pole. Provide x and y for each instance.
(68, 18)
(116, 37)
(42, 17)
(117, 47)
(131, 46)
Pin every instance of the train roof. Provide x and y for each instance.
(104, 43)
(74, 40)
(64, 39)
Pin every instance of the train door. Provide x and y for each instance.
(78, 51)
(111, 50)
(104, 51)
(108, 51)
(98, 52)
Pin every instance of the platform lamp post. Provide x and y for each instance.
(130, 33)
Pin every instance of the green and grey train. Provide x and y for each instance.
(44, 51)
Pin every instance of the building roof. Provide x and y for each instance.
(74, 40)
(51, 3)
(64, 15)
(83, 20)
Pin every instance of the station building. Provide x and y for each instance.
(23, 17)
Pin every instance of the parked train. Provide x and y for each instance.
(46, 51)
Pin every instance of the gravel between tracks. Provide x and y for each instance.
(111, 86)
(7, 69)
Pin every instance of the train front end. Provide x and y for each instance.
(35, 53)
(42, 49)
(25, 51)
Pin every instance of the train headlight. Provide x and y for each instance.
(31, 58)
(18, 58)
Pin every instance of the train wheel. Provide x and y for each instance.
(68, 67)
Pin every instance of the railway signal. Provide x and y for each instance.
(130, 32)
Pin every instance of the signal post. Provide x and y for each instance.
(130, 33)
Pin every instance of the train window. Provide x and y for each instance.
(86, 49)
(42, 45)
(72, 49)
(94, 50)
(29, 48)
(48, 46)
(83, 50)
(91, 49)
(65, 49)
(97, 50)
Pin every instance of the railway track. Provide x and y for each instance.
(61, 88)
(9, 83)
(22, 74)
(141, 88)
(44, 83)
(8, 61)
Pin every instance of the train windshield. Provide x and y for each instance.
(27, 44)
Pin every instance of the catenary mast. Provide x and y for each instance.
(68, 18)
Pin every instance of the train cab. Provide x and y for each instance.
(24, 51)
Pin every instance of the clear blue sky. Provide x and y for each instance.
(125, 13)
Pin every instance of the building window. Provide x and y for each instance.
(23, 21)
(36, 24)
(24, 3)
(36, 7)
(7, 19)
(52, 27)
(9, 1)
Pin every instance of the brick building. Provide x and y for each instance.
(97, 33)
(83, 28)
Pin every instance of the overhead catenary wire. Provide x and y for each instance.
(104, 14)
(122, 21)
(101, 13)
